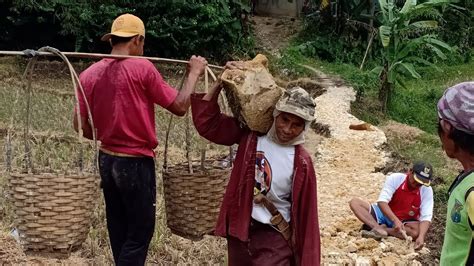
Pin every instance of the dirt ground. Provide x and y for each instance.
(273, 34)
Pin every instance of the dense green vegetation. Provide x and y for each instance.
(174, 28)
(395, 39)
(403, 32)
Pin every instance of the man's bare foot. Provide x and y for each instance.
(372, 234)
(380, 230)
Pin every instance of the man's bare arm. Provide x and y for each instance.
(424, 226)
(182, 102)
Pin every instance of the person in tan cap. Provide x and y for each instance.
(122, 94)
(269, 212)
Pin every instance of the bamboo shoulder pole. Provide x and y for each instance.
(100, 56)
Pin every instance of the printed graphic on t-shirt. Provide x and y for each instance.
(263, 173)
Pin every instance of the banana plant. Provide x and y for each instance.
(403, 32)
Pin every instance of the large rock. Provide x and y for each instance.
(252, 93)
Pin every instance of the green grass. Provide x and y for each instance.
(416, 104)
(427, 147)
(365, 83)
(292, 59)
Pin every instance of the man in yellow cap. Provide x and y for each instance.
(121, 94)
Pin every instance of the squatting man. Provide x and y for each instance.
(404, 208)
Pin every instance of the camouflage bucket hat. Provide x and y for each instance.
(297, 101)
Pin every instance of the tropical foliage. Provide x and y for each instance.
(174, 28)
(397, 39)
(404, 32)
(457, 27)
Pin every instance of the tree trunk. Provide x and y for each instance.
(385, 89)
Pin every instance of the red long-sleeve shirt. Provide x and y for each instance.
(236, 208)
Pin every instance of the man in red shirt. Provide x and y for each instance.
(121, 94)
(404, 207)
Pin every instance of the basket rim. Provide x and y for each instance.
(37, 174)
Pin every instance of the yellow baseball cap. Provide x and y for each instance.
(126, 25)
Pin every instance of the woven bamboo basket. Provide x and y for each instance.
(52, 212)
(194, 190)
(193, 201)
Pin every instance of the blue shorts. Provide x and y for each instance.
(379, 216)
(382, 219)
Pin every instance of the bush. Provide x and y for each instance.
(344, 38)
(348, 45)
(187, 27)
(458, 27)
(176, 28)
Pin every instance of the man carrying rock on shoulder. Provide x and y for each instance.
(404, 208)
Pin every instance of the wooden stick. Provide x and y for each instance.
(168, 130)
(372, 34)
(212, 73)
(27, 87)
(206, 81)
(188, 144)
(203, 154)
(203, 143)
(100, 56)
(404, 234)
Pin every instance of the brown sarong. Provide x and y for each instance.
(266, 246)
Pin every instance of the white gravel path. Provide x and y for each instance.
(346, 164)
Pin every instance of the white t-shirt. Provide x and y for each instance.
(394, 181)
(274, 178)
